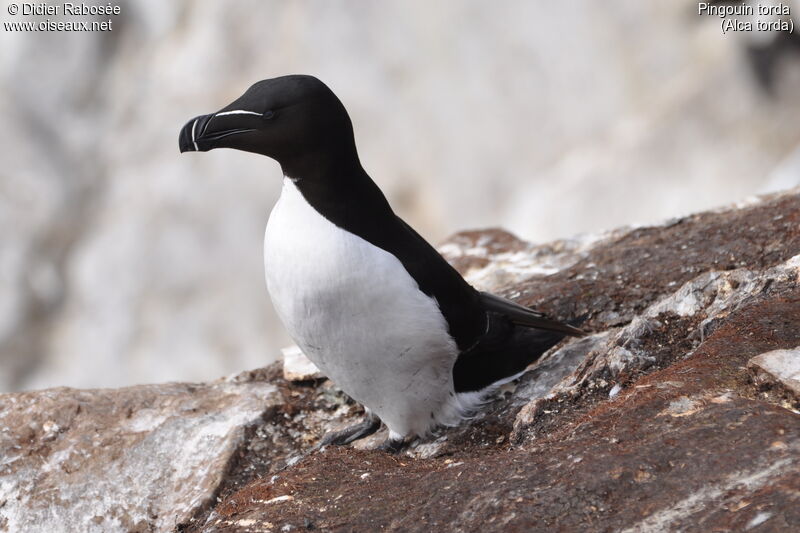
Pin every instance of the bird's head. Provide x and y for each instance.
(290, 119)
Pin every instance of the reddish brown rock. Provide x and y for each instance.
(653, 422)
(690, 447)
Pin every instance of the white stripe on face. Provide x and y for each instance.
(237, 112)
(194, 125)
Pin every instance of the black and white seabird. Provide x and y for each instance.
(366, 298)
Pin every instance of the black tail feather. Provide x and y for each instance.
(505, 351)
(524, 316)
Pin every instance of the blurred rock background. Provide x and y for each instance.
(123, 262)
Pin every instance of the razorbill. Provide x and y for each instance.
(366, 298)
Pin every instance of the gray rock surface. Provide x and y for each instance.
(781, 369)
(143, 458)
(298, 367)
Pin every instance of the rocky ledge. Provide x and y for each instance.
(678, 412)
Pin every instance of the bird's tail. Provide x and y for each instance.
(502, 355)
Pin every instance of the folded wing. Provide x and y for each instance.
(524, 316)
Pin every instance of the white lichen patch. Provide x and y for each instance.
(683, 406)
(145, 420)
(277, 499)
(758, 519)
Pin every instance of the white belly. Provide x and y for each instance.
(357, 313)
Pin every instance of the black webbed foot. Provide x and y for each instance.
(365, 428)
(393, 445)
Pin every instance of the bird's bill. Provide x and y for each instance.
(207, 132)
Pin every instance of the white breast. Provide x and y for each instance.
(357, 313)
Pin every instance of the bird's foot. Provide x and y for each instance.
(394, 444)
(365, 428)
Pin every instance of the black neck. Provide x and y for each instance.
(337, 186)
(323, 165)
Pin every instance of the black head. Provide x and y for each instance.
(291, 119)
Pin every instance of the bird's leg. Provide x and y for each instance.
(365, 428)
(394, 444)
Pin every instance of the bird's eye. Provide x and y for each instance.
(268, 114)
